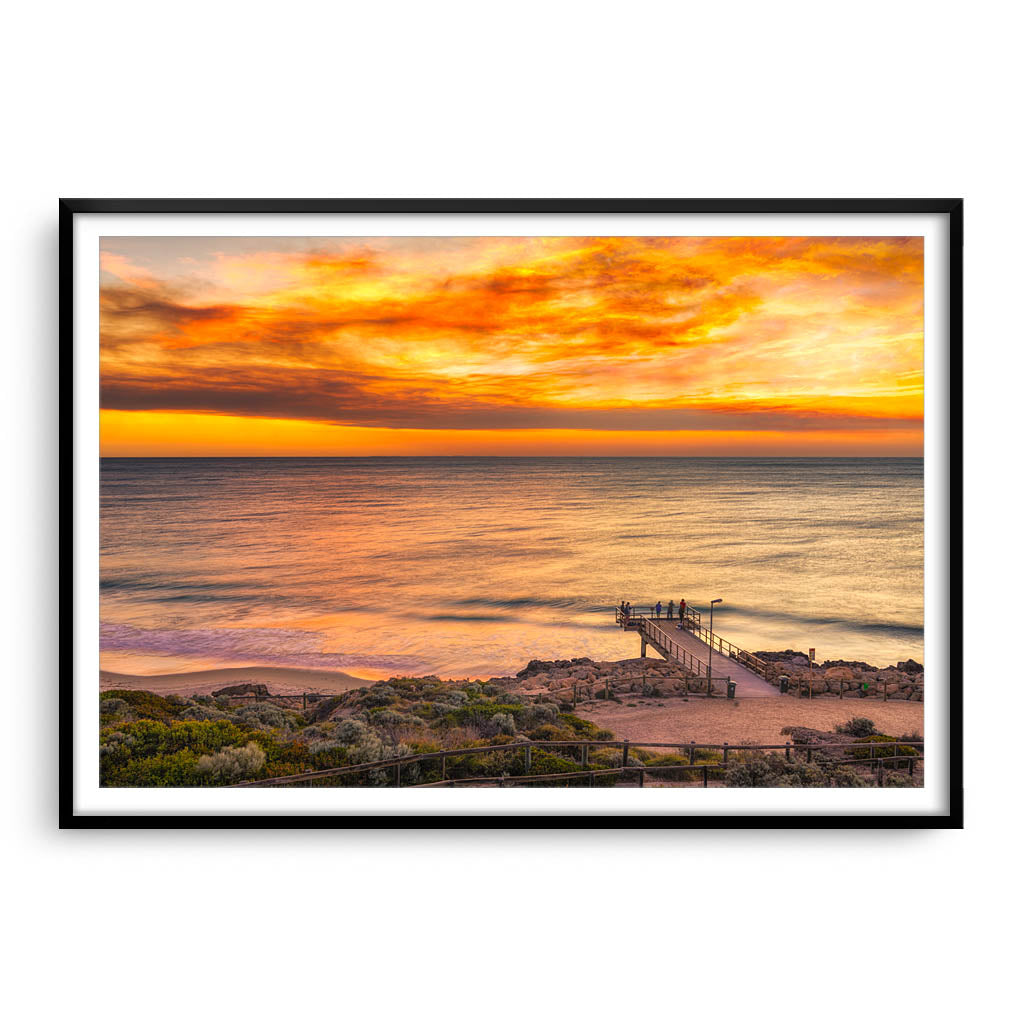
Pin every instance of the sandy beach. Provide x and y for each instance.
(283, 681)
(754, 721)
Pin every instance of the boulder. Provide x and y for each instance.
(839, 672)
(910, 666)
(242, 690)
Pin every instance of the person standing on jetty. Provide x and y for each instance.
(657, 609)
(682, 608)
(671, 606)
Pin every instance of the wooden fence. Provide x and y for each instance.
(689, 750)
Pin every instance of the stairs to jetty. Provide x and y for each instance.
(690, 645)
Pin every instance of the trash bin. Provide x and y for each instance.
(730, 688)
(783, 684)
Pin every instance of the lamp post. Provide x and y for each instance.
(711, 639)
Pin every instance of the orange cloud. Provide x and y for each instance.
(776, 337)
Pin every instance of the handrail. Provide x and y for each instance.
(751, 661)
(648, 626)
(681, 654)
(691, 621)
(584, 744)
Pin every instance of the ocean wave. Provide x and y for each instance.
(286, 647)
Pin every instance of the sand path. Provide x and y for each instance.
(754, 721)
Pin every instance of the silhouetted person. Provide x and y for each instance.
(657, 609)
(671, 609)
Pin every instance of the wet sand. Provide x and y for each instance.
(277, 680)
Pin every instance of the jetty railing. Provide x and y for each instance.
(657, 635)
(690, 620)
(689, 750)
(661, 637)
(716, 643)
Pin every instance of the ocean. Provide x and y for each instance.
(472, 566)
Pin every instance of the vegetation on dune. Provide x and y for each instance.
(149, 740)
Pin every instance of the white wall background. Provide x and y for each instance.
(525, 99)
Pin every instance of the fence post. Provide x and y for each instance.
(705, 768)
(625, 752)
(725, 753)
(808, 755)
(529, 759)
(585, 754)
(693, 752)
(444, 765)
(398, 774)
(642, 774)
(789, 751)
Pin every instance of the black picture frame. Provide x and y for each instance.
(952, 209)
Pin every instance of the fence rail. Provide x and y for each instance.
(689, 749)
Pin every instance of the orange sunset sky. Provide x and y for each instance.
(511, 346)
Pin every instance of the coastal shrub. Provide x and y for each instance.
(203, 712)
(549, 731)
(322, 711)
(503, 723)
(231, 764)
(885, 746)
(579, 726)
(353, 730)
(773, 771)
(143, 703)
(542, 762)
(178, 769)
(264, 715)
(150, 738)
(378, 697)
(114, 707)
(857, 727)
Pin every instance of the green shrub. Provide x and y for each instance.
(232, 764)
(143, 704)
(264, 715)
(885, 746)
(857, 727)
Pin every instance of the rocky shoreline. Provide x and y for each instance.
(902, 681)
(586, 679)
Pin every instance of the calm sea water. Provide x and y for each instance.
(472, 566)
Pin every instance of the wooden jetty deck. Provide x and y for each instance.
(687, 643)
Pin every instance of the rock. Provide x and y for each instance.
(243, 689)
(910, 666)
(839, 672)
(863, 666)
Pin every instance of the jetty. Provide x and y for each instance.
(691, 645)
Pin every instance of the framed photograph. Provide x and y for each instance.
(546, 513)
